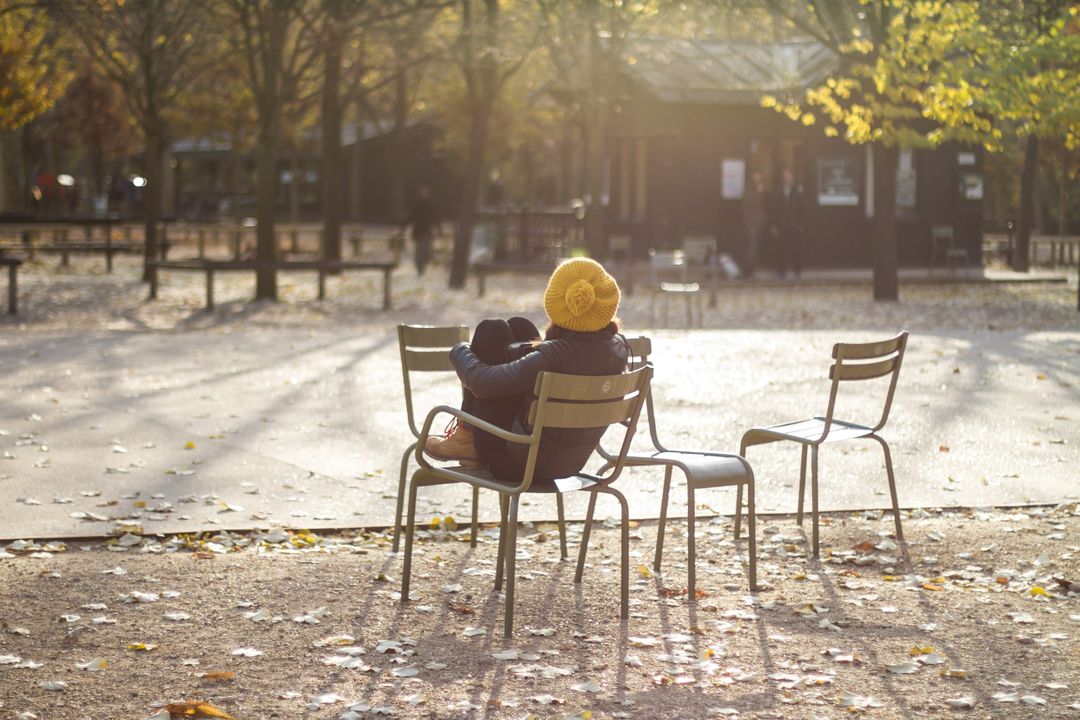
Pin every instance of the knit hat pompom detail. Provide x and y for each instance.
(581, 296)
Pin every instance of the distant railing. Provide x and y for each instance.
(534, 235)
(233, 241)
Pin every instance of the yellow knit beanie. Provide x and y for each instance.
(581, 296)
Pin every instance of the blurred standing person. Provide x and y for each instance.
(424, 224)
(787, 223)
(755, 220)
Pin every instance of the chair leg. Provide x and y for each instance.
(814, 496)
(410, 533)
(624, 548)
(802, 485)
(738, 494)
(511, 557)
(892, 486)
(475, 515)
(738, 510)
(691, 544)
(559, 507)
(661, 524)
(751, 522)
(504, 507)
(399, 507)
(586, 531)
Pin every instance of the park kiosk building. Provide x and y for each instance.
(687, 127)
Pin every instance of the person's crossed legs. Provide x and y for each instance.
(462, 442)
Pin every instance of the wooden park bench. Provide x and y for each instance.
(12, 264)
(323, 267)
(55, 239)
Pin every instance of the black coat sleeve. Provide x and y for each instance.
(491, 381)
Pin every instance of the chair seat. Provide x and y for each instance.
(808, 431)
(539, 485)
(702, 469)
(674, 287)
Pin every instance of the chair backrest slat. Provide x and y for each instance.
(428, 360)
(588, 415)
(866, 351)
(622, 407)
(863, 371)
(422, 336)
(874, 360)
(586, 387)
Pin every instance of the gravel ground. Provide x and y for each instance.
(965, 619)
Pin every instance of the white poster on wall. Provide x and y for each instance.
(732, 179)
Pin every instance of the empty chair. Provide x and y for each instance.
(699, 249)
(671, 277)
(562, 401)
(942, 246)
(851, 362)
(620, 249)
(702, 469)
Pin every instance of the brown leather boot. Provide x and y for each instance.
(456, 444)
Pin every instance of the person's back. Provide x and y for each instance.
(564, 451)
(498, 371)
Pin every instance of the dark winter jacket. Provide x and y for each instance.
(563, 451)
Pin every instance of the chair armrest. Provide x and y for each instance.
(471, 420)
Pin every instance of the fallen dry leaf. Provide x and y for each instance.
(196, 709)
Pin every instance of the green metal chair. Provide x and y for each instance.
(670, 272)
(562, 401)
(426, 349)
(853, 362)
(702, 469)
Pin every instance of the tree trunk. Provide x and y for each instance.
(296, 171)
(1021, 261)
(594, 118)
(1063, 192)
(470, 193)
(154, 161)
(398, 149)
(886, 279)
(332, 156)
(266, 169)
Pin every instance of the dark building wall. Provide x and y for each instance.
(688, 144)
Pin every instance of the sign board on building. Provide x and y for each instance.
(838, 183)
(732, 179)
(905, 181)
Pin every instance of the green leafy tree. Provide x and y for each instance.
(585, 40)
(904, 79)
(33, 75)
(1031, 79)
(92, 118)
(493, 41)
(153, 50)
(277, 41)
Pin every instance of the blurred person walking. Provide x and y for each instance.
(424, 224)
(788, 206)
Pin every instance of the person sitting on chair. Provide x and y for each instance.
(498, 371)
